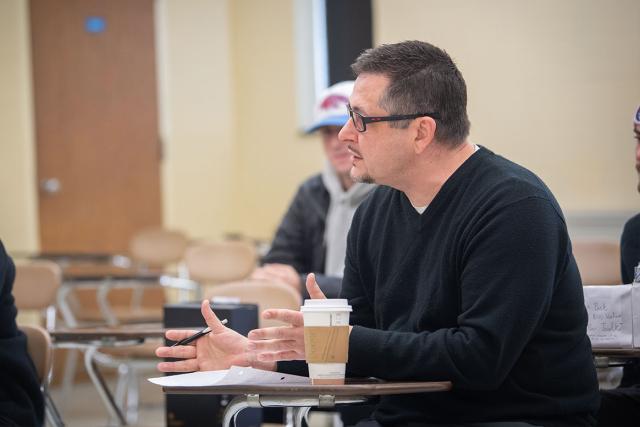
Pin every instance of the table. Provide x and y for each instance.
(610, 357)
(91, 339)
(303, 397)
(104, 272)
(106, 278)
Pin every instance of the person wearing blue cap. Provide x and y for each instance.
(312, 236)
(621, 406)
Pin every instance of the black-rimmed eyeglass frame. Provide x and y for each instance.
(360, 121)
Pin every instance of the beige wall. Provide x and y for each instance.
(18, 207)
(552, 85)
(273, 157)
(196, 114)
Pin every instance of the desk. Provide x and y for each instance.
(106, 278)
(104, 272)
(91, 339)
(303, 397)
(610, 357)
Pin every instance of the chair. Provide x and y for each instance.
(265, 294)
(36, 286)
(157, 247)
(157, 250)
(152, 250)
(212, 263)
(41, 353)
(598, 261)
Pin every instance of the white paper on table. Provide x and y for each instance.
(610, 315)
(236, 375)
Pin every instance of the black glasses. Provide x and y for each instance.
(360, 121)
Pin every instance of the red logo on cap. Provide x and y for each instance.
(333, 101)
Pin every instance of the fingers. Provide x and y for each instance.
(312, 287)
(278, 332)
(292, 317)
(273, 345)
(261, 274)
(179, 352)
(178, 334)
(210, 317)
(190, 365)
(278, 356)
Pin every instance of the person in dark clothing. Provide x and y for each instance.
(630, 240)
(621, 406)
(21, 401)
(459, 266)
(312, 236)
(630, 243)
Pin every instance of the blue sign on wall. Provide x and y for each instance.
(95, 24)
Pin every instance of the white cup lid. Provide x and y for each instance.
(337, 304)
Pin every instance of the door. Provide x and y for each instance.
(98, 154)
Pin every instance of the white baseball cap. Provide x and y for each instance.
(331, 108)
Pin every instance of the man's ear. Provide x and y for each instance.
(425, 133)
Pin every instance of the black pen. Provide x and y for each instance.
(197, 335)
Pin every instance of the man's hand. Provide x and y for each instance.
(279, 272)
(283, 342)
(219, 349)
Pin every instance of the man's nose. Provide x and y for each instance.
(348, 133)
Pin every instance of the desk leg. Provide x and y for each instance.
(236, 405)
(102, 295)
(62, 297)
(300, 414)
(101, 387)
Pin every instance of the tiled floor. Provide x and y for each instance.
(83, 407)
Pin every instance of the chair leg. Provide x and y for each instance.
(51, 411)
(133, 397)
(121, 386)
(337, 420)
(70, 363)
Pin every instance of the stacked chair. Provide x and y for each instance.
(151, 251)
(35, 288)
(598, 261)
(213, 263)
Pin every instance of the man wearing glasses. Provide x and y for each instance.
(458, 267)
(312, 236)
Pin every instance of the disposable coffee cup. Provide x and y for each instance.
(326, 339)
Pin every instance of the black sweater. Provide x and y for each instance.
(481, 289)
(630, 248)
(21, 401)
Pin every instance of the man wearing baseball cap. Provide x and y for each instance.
(621, 407)
(313, 233)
